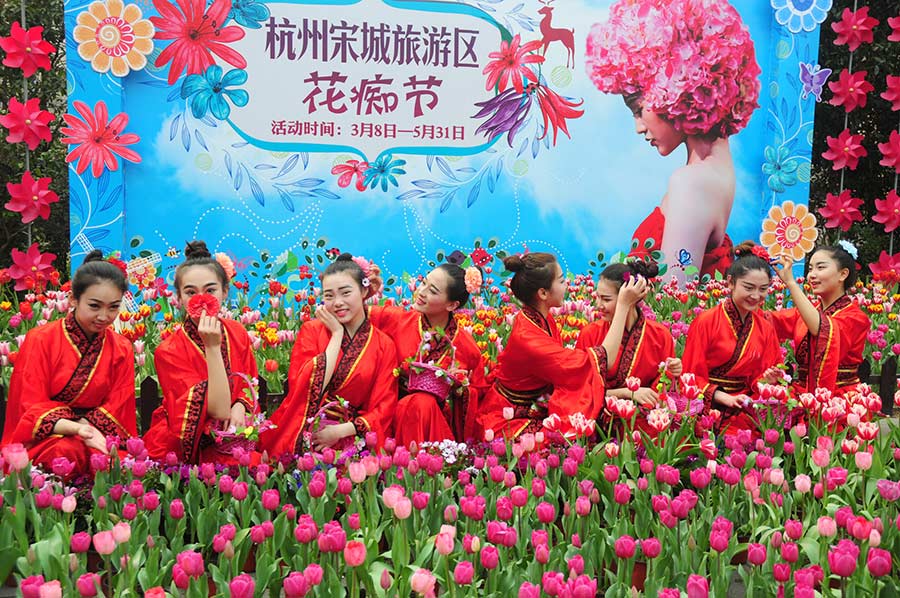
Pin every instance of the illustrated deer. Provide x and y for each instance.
(552, 34)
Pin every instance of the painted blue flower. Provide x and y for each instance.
(210, 89)
(246, 13)
(782, 170)
(801, 15)
(383, 171)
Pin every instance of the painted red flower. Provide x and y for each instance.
(854, 28)
(202, 303)
(841, 210)
(890, 152)
(31, 269)
(850, 90)
(845, 150)
(892, 94)
(98, 141)
(555, 109)
(31, 198)
(894, 22)
(26, 49)
(888, 211)
(510, 65)
(348, 170)
(27, 122)
(198, 34)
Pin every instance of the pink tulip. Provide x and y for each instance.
(529, 590)
(863, 460)
(697, 587)
(463, 573)
(821, 457)
(583, 506)
(271, 499)
(878, 561)
(420, 500)
(121, 532)
(88, 585)
(31, 586)
(622, 494)
(403, 508)
(490, 557)
(546, 512)
(104, 542)
(176, 509)
(356, 471)
(842, 559)
(422, 582)
(51, 589)
(242, 586)
(756, 554)
(624, 547)
(651, 547)
(239, 491)
(542, 554)
(295, 585)
(444, 543)
(802, 483)
(386, 580)
(80, 542)
(16, 456)
(313, 574)
(354, 553)
(391, 495)
(192, 563)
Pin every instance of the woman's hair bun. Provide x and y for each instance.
(196, 250)
(644, 268)
(345, 257)
(745, 248)
(95, 255)
(514, 263)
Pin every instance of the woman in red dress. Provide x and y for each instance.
(645, 343)
(341, 379)
(72, 387)
(829, 339)
(536, 376)
(421, 415)
(203, 368)
(731, 346)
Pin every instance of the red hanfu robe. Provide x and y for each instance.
(643, 348)
(830, 359)
(181, 424)
(422, 416)
(727, 354)
(537, 376)
(61, 373)
(363, 377)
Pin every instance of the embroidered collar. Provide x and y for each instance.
(79, 337)
(439, 348)
(363, 330)
(536, 318)
(735, 316)
(841, 302)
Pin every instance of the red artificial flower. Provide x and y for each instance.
(887, 268)
(26, 49)
(202, 303)
(845, 150)
(31, 269)
(894, 22)
(892, 94)
(480, 257)
(760, 252)
(841, 210)
(119, 264)
(97, 141)
(348, 170)
(854, 28)
(890, 152)
(27, 122)
(31, 198)
(850, 90)
(198, 34)
(555, 109)
(510, 65)
(888, 211)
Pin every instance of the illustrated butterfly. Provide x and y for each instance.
(813, 79)
(684, 258)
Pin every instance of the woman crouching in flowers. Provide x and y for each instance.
(635, 373)
(205, 368)
(72, 387)
(536, 376)
(341, 378)
(442, 370)
(829, 339)
(732, 345)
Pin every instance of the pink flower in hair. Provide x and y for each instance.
(691, 61)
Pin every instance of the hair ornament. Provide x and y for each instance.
(849, 248)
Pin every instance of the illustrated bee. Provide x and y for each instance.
(172, 252)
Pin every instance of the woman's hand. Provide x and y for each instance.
(730, 400)
(633, 290)
(646, 396)
(330, 435)
(329, 320)
(92, 438)
(773, 375)
(784, 268)
(210, 330)
(238, 416)
(674, 367)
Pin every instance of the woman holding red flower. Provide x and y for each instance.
(731, 346)
(432, 326)
(72, 388)
(829, 339)
(536, 376)
(341, 379)
(645, 343)
(200, 366)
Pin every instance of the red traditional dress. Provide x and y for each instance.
(731, 355)
(652, 228)
(61, 373)
(537, 376)
(363, 377)
(830, 359)
(422, 416)
(643, 348)
(181, 424)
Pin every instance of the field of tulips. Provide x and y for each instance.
(808, 510)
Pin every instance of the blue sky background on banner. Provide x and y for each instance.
(587, 193)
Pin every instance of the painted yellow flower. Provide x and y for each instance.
(789, 230)
(112, 36)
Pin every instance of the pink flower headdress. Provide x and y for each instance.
(692, 61)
